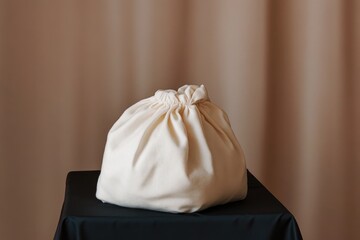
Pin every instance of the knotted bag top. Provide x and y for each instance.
(186, 95)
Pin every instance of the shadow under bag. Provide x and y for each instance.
(173, 152)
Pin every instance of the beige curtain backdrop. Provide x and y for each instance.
(286, 72)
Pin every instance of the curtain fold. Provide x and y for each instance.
(286, 72)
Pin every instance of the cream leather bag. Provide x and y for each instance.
(173, 152)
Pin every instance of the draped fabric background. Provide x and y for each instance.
(286, 72)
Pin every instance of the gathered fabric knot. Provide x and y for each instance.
(186, 95)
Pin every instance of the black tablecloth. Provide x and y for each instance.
(259, 216)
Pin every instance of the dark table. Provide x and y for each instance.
(259, 216)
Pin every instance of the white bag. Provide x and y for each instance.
(173, 152)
